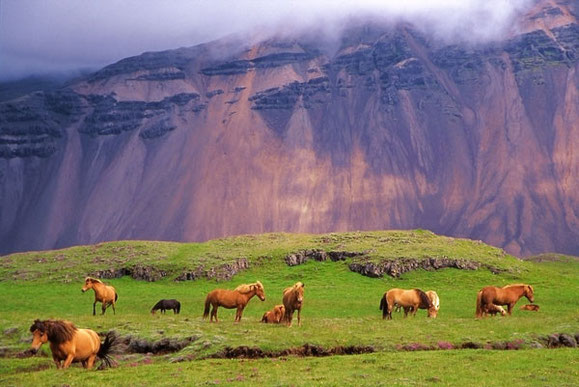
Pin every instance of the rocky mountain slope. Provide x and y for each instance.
(390, 131)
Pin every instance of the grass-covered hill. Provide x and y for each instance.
(345, 275)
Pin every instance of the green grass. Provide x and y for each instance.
(340, 309)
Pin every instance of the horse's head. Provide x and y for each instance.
(529, 293)
(259, 291)
(39, 335)
(87, 284)
(299, 292)
(432, 312)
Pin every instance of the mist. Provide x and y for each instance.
(51, 37)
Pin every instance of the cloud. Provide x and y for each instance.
(39, 36)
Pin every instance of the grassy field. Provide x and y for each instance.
(341, 309)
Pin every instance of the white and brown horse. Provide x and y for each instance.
(411, 300)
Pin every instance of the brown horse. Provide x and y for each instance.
(293, 298)
(507, 295)
(70, 344)
(230, 299)
(433, 312)
(531, 307)
(107, 295)
(411, 300)
(274, 316)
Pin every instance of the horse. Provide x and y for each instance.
(107, 295)
(293, 298)
(507, 295)
(229, 299)
(275, 315)
(71, 344)
(411, 300)
(433, 299)
(531, 307)
(163, 305)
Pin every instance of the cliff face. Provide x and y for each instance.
(391, 131)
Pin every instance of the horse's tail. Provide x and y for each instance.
(178, 308)
(207, 307)
(116, 296)
(103, 353)
(479, 304)
(264, 318)
(384, 306)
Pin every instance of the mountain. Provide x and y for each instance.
(390, 130)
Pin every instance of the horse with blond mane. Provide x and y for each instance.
(293, 298)
(105, 294)
(411, 300)
(70, 344)
(507, 295)
(230, 299)
(274, 316)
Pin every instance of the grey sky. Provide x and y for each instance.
(44, 36)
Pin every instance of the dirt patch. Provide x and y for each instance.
(131, 344)
(397, 267)
(306, 350)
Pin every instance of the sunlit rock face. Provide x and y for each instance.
(390, 130)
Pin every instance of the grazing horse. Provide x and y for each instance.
(293, 298)
(435, 303)
(70, 344)
(163, 305)
(531, 307)
(275, 315)
(230, 299)
(107, 295)
(411, 300)
(507, 295)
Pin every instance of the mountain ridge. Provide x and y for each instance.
(392, 131)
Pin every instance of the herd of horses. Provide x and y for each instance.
(70, 344)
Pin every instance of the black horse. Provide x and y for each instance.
(167, 304)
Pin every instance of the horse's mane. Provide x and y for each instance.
(246, 288)
(424, 299)
(294, 287)
(513, 286)
(58, 331)
(93, 280)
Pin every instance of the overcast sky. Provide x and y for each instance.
(46, 36)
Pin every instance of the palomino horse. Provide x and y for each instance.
(70, 344)
(275, 315)
(433, 299)
(507, 295)
(410, 300)
(107, 295)
(293, 298)
(231, 299)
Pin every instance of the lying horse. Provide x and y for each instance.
(163, 305)
(274, 316)
(531, 307)
(231, 299)
(411, 300)
(293, 298)
(107, 295)
(507, 295)
(70, 344)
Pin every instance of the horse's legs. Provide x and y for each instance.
(94, 308)
(56, 361)
(89, 362)
(68, 360)
(238, 313)
(214, 314)
(113, 305)
(104, 307)
(299, 317)
(510, 308)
